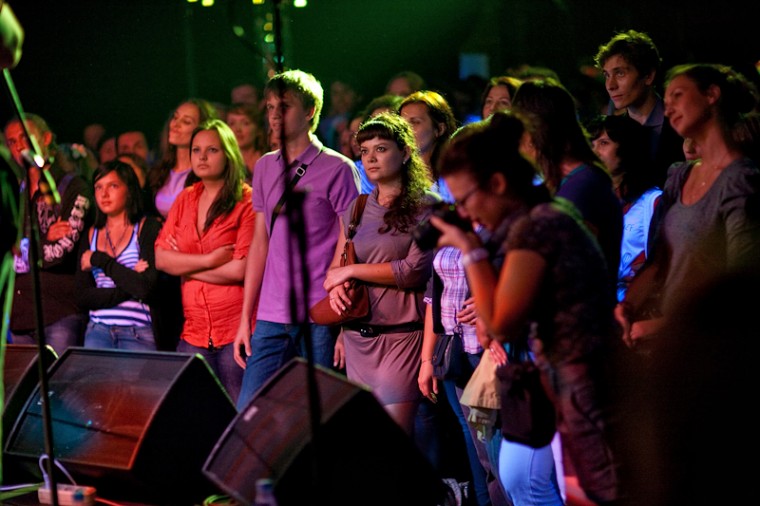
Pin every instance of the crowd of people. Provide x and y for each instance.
(588, 235)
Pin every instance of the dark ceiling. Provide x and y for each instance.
(127, 64)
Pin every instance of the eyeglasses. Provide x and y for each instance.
(463, 200)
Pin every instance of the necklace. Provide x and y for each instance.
(704, 178)
(118, 243)
(709, 171)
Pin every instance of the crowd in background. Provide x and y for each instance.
(594, 226)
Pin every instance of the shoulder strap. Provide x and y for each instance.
(300, 171)
(356, 216)
(437, 293)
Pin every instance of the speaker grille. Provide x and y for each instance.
(362, 455)
(134, 423)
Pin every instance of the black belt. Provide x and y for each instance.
(367, 330)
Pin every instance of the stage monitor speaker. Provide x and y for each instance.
(20, 378)
(136, 425)
(362, 455)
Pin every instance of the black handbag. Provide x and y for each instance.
(528, 415)
(448, 355)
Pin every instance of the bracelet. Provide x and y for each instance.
(474, 256)
(426, 360)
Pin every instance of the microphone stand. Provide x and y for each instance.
(277, 25)
(296, 223)
(239, 33)
(34, 271)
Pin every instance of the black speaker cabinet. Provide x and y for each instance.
(136, 425)
(362, 456)
(20, 378)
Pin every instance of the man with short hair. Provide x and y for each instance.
(106, 149)
(92, 135)
(244, 93)
(60, 227)
(133, 141)
(404, 83)
(274, 265)
(630, 63)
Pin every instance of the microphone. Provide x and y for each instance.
(47, 183)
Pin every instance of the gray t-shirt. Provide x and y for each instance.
(718, 233)
(392, 305)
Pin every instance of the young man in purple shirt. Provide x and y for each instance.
(274, 265)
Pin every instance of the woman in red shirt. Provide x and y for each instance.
(205, 241)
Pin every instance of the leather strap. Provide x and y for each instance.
(300, 171)
(356, 216)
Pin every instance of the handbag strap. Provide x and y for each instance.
(519, 352)
(356, 216)
(300, 171)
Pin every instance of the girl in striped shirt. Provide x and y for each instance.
(117, 273)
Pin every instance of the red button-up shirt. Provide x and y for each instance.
(212, 312)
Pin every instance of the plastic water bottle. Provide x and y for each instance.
(265, 493)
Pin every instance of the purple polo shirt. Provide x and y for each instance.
(330, 183)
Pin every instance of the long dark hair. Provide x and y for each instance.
(160, 172)
(234, 170)
(491, 146)
(127, 175)
(414, 177)
(509, 82)
(636, 166)
(550, 111)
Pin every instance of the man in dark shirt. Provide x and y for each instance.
(630, 63)
(60, 225)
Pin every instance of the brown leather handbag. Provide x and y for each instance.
(321, 313)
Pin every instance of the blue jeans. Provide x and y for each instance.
(118, 337)
(68, 331)
(477, 452)
(428, 431)
(528, 475)
(275, 344)
(222, 362)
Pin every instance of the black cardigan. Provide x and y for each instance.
(129, 284)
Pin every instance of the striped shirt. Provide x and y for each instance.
(132, 312)
(448, 264)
